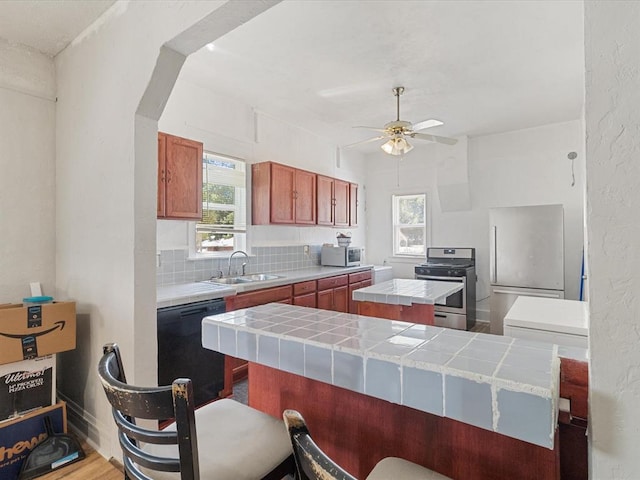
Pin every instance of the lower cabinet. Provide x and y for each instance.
(236, 369)
(356, 281)
(333, 293)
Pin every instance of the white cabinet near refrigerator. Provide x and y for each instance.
(563, 322)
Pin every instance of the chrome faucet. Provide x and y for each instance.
(243, 265)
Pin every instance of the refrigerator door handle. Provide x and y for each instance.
(545, 295)
(494, 244)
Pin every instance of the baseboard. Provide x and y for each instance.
(87, 427)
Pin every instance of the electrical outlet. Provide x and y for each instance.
(306, 250)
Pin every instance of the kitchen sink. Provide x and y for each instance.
(258, 277)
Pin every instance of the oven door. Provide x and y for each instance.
(456, 302)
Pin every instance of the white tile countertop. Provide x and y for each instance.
(400, 291)
(180, 294)
(501, 384)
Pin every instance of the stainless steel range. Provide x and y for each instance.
(453, 265)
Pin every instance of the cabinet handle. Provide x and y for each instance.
(168, 176)
(162, 176)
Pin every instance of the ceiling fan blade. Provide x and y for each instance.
(375, 129)
(425, 124)
(364, 141)
(434, 138)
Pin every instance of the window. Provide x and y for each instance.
(224, 213)
(410, 225)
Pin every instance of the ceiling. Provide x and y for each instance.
(480, 66)
(48, 25)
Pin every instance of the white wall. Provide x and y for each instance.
(612, 118)
(230, 126)
(105, 208)
(27, 163)
(525, 167)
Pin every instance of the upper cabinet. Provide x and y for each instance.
(282, 194)
(333, 202)
(179, 178)
(286, 195)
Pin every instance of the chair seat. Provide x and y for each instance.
(399, 469)
(235, 442)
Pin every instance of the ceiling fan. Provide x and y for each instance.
(398, 130)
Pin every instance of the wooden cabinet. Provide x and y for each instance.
(333, 201)
(179, 178)
(236, 369)
(282, 194)
(304, 294)
(356, 281)
(333, 293)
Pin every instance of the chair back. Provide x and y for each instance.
(311, 462)
(129, 403)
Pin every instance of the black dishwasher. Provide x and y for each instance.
(180, 351)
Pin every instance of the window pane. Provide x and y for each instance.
(214, 242)
(411, 210)
(214, 193)
(410, 240)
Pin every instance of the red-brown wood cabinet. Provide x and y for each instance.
(282, 195)
(179, 177)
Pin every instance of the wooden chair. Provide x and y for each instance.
(313, 464)
(232, 441)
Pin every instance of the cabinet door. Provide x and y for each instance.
(341, 299)
(162, 165)
(183, 178)
(353, 204)
(307, 300)
(341, 203)
(353, 305)
(305, 197)
(283, 180)
(325, 299)
(325, 200)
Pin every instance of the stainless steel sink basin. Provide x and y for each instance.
(258, 277)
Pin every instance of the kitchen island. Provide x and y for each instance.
(404, 299)
(468, 405)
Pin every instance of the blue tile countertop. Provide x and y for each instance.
(183, 293)
(505, 385)
(400, 291)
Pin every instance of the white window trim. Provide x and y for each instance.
(192, 225)
(410, 258)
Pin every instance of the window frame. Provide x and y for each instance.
(240, 234)
(395, 197)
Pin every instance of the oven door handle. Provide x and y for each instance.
(449, 279)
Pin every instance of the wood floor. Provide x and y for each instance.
(94, 466)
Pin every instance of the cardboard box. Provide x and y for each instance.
(36, 331)
(27, 385)
(19, 436)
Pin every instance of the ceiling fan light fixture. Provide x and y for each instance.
(397, 145)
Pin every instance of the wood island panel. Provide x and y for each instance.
(416, 313)
(357, 431)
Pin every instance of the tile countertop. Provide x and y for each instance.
(180, 294)
(501, 384)
(400, 291)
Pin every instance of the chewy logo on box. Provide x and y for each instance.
(25, 333)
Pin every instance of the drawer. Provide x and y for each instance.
(360, 276)
(332, 282)
(304, 287)
(259, 297)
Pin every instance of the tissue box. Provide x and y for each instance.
(35, 331)
(27, 385)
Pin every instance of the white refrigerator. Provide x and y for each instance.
(526, 257)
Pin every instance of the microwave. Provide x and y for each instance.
(340, 256)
